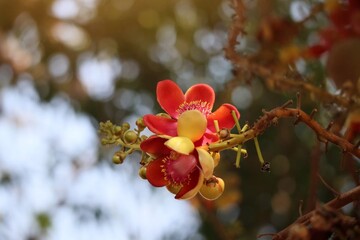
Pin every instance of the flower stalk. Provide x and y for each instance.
(258, 151)
(238, 157)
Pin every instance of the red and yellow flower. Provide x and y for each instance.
(180, 160)
(199, 97)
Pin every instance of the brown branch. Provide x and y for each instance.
(272, 116)
(336, 203)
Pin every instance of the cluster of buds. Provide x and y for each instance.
(178, 155)
(123, 136)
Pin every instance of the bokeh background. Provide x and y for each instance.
(66, 65)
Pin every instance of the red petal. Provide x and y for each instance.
(161, 125)
(207, 138)
(154, 173)
(169, 96)
(180, 168)
(155, 145)
(202, 92)
(224, 117)
(194, 179)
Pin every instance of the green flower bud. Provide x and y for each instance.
(142, 172)
(140, 124)
(125, 126)
(117, 130)
(130, 137)
(119, 157)
(104, 141)
(143, 137)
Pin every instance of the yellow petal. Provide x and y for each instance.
(192, 124)
(212, 189)
(195, 190)
(216, 158)
(206, 162)
(181, 145)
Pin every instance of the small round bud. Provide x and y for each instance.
(142, 172)
(140, 124)
(119, 157)
(224, 133)
(173, 188)
(130, 137)
(212, 188)
(104, 141)
(117, 130)
(143, 137)
(125, 126)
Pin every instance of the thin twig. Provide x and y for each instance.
(301, 203)
(336, 193)
(313, 113)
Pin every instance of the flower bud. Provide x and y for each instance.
(104, 141)
(130, 137)
(224, 133)
(119, 157)
(142, 172)
(117, 130)
(140, 124)
(173, 188)
(125, 126)
(143, 137)
(212, 188)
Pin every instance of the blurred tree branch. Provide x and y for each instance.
(274, 79)
(338, 202)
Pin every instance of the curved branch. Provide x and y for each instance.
(271, 117)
